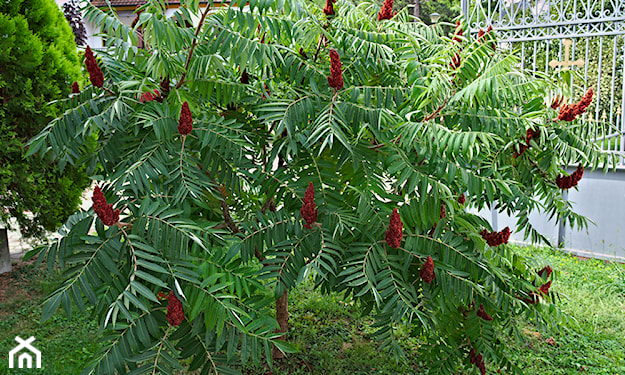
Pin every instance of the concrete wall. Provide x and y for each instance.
(601, 198)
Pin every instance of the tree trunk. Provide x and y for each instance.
(417, 8)
(5, 256)
(282, 316)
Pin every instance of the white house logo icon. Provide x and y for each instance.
(24, 357)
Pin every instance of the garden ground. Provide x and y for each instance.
(334, 339)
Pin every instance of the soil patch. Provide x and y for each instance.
(15, 287)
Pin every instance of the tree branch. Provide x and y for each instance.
(193, 45)
(437, 111)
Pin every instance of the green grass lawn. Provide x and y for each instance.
(593, 341)
(66, 344)
(334, 339)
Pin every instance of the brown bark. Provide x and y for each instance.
(282, 316)
(417, 8)
(282, 303)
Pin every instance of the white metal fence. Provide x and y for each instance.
(585, 36)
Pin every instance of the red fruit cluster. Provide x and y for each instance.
(148, 96)
(165, 86)
(530, 134)
(75, 88)
(245, 78)
(303, 53)
(309, 208)
(175, 314)
(394, 234)
(458, 32)
(185, 124)
(95, 74)
(478, 361)
(567, 182)
(568, 112)
(493, 44)
(544, 289)
(462, 199)
(557, 101)
(483, 314)
(329, 9)
(104, 210)
(427, 271)
(496, 238)
(481, 36)
(161, 296)
(533, 296)
(443, 214)
(336, 74)
(455, 61)
(545, 269)
(386, 13)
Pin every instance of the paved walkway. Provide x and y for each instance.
(18, 246)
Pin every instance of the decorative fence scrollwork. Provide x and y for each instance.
(583, 35)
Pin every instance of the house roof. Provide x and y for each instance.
(133, 3)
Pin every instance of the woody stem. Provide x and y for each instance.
(193, 45)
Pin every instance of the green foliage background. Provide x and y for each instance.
(38, 63)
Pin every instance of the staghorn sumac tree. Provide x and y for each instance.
(278, 141)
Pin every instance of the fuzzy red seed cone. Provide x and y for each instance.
(309, 209)
(149, 96)
(546, 270)
(175, 313)
(75, 88)
(427, 273)
(496, 238)
(568, 112)
(105, 211)
(473, 356)
(557, 101)
(335, 80)
(95, 73)
(185, 124)
(394, 234)
(567, 182)
(458, 32)
(245, 78)
(462, 199)
(329, 9)
(386, 13)
(456, 61)
(544, 289)
(505, 235)
(493, 44)
(585, 101)
(443, 212)
(483, 314)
